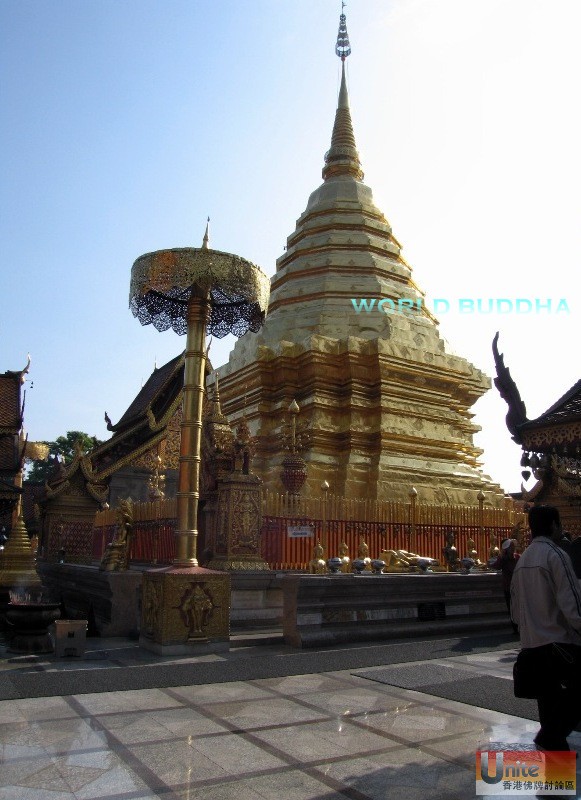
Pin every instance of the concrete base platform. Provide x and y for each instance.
(112, 599)
(329, 610)
(109, 600)
(256, 599)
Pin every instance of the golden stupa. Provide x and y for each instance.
(386, 402)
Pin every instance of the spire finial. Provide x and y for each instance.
(343, 48)
(206, 239)
(343, 158)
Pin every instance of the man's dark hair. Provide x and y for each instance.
(541, 519)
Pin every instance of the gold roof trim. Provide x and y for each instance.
(56, 490)
(156, 424)
(130, 457)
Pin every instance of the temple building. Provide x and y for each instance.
(387, 404)
(144, 441)
(119, 468)
(148, 429)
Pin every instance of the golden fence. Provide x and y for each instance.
(142, 512)
(153, 531)
(382, 525)
(337, 507)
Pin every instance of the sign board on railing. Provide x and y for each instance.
(299, 531)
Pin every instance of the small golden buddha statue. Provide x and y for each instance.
(363, 554)
(317, 565)
(344, 556)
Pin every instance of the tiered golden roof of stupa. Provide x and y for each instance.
(388, 405)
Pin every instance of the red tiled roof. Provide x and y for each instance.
(9, 454)
(154, 385)
(10, 411)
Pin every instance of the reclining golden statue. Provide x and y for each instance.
(404, 561)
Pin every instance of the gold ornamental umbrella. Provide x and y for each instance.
(196, 291)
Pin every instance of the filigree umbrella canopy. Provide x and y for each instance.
(163, 282)
(194, 290)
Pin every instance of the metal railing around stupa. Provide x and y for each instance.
(292, 524)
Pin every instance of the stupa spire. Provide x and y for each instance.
(342, 158)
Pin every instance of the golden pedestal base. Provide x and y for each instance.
(236, 539)
(241, 564)
(185, 611)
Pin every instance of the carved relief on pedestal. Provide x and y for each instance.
(220, 543)
(151, 607)
(178, 608)
(196, 609)
(245, 520)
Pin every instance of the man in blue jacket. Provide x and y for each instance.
(546, 606)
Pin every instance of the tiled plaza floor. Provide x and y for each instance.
(301, 737)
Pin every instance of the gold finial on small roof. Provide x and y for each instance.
(206, 239)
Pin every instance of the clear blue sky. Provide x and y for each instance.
(124, 123)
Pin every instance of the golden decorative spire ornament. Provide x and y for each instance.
(343, 46)
(342, 158)
(294, 472)
(206, 239)
(17, 561)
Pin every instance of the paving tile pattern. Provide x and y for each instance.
(301, 737)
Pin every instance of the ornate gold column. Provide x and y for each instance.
(192, 290)
(188, 494)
